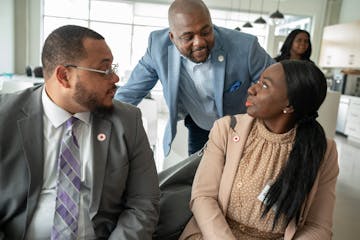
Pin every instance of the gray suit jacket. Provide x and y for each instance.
(125, 192)
(237, 59)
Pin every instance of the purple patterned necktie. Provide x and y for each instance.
(65, 225)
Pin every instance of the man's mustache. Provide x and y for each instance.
(198, 49)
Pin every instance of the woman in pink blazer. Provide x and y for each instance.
(270, 173)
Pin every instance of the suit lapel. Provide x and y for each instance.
(30, 127)
(218, 59)
(219, 63)
(235, 146)
(101, 131)
(174, 65)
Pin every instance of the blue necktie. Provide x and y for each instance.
(66, 216)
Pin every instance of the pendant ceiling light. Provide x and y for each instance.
(238, 28)
(277, 17)
(248, 24)
(261, 20)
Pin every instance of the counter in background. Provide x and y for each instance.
(16, 83)
(328, 113)
(342, 114)
(352, 126)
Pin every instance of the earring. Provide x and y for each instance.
(284, 111)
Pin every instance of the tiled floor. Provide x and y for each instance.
(347, 208)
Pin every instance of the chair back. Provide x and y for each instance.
(28, 71)
(38, 72)
(175, 185)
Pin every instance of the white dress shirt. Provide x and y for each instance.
(54, 118)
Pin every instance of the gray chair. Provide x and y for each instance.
(175, 185)
(38, 72)
(10, 86)
(28, 71)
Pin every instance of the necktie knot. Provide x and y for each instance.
(69, 128)
(71, 122)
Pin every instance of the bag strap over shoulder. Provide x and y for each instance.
(232, 122)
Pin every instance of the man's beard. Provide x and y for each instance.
(104, 109)
(192, 58)
(90, 100)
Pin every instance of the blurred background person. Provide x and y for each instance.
(297, 45)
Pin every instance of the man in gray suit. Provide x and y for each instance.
(204, 70)
(119, 192)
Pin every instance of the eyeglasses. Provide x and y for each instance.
(108, 72)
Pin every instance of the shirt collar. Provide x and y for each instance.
(56, 115)
(194, 64)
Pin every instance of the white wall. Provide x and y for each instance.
(21, 44)
(28, 27)
(7, 36)
(350, 11)
(35, 19)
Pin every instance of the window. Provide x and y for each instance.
(126, 24)
(293, 22)
(118, 37)
(233, 19)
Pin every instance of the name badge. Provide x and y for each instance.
(262, 196)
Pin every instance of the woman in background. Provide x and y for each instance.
(270, 173)
(297, 45)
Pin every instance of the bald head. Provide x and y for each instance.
(186, 7)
